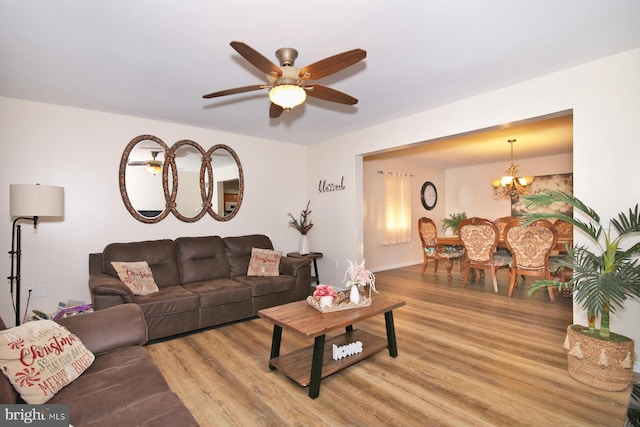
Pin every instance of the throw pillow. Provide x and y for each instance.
(137, 276)
(41, 357)
(264, 262)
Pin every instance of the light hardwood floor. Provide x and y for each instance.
(467, 357)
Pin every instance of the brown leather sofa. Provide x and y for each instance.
(123, 386)
(203, 281)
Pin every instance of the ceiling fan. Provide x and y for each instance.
(287, 87)
(154, 165)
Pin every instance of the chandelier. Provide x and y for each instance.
(510, 185)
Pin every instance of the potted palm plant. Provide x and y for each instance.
(453, 222)
(604, 276)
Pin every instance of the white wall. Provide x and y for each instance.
(604, 97)
(80, 150)
(469, 189)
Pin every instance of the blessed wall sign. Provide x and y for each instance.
(327, 187)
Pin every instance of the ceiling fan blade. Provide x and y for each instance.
(275, 111)
(332, 64)
(256, 59)
(137, 163)
(328, 94)
(234, 91)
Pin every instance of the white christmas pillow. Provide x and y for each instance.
(137, 276)
(41, 357)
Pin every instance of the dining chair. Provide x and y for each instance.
(530, 248)
(479, 237)
(432, 250)
(501, 223)
(565, 234)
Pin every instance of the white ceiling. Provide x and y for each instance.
(156, 58)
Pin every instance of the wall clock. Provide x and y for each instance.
(429, 195)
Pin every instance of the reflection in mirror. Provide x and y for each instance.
(190, 198)
(228, 182)
(141, 178)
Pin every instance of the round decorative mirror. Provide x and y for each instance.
(190, 182)
(142, 185)
(228, 182)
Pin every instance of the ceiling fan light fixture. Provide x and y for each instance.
(287, 96)
(154, 167)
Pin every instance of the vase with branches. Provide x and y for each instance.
(303, 225)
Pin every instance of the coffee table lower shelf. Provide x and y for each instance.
(297, 365)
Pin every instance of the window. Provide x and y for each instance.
(395, 207)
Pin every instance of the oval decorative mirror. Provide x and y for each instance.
(228, 182)
(141, 176)
(189, 184)
(184, 179)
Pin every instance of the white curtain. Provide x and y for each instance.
(395, 207)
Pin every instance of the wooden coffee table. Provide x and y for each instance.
(305, 366)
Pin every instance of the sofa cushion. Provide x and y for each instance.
(170, 300)
(201, 258)
(264, 262)
(40, 358)
(220, 292)
(123, 387)
(159, 254)
(267, 285)
(137, 276)
(238, 251)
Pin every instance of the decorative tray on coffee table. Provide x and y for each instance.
(341, 302)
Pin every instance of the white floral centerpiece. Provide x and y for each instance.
(359, 277)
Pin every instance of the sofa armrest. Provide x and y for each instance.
(109, 329)
(107, 285)
(301, 270)
(292, 266)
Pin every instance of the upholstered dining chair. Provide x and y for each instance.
(530, 249)
(501, 223)
(479, 237)
(565, 233)
(432, 250)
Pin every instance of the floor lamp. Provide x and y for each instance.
(29, 202)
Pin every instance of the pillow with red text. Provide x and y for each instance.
(137, 276)
(41, 357)
(264, 262)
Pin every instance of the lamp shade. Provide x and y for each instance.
(36, 200)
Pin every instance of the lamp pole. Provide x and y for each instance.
(16, 253)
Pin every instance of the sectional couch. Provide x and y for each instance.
(123, 386)
(202, 281)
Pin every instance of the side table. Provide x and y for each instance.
(314, 256)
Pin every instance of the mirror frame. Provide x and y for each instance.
(206, 180)
(123, 180)
(235, 210)
(205, 168)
